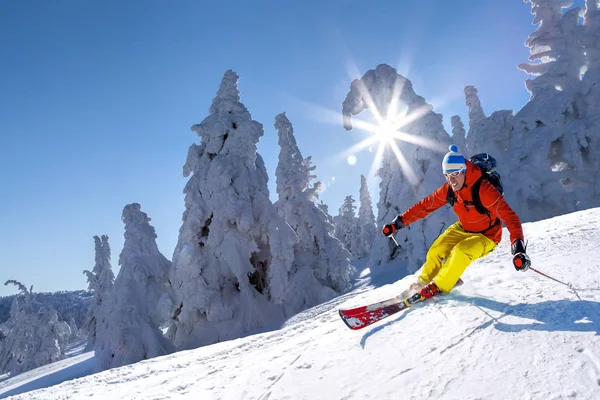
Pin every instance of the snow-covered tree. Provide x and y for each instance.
(75, 333)
(591, 42)
(556, 135)
(132, 318)
(366, 221)
(459, 133)
(68, 304)
(234, 255)
(545, 151)
(321, 264)
(556, 47)
(330, 224)
(33, 334)
(589, 108)
(346, 226)
(415, 173)
(100, 280)
(476, 114)
(486, 134)
(555, 164)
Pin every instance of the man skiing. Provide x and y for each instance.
(473, 236)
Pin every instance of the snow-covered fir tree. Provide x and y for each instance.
(590, 90)
(412, 176)
(330, 224)
(589, 109)
(75, 332)
(476, 113)
(131, 331)
(486, 134)
(459, 133)
(321, 264)
(33, 334)
(234, 255)
(556, 47)
(100, 281)
(556, 135)
(367, 227)
(346, 226)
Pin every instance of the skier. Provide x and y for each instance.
(473, 236)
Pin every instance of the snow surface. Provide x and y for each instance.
(78, 365)
(502, 335)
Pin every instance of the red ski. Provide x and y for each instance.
(360, 317)
(375, 306)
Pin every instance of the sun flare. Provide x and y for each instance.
(387, 132)
(388, 128)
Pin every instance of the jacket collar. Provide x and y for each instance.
(473, 173)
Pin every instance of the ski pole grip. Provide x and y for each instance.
(388, 229)
(518, 262)
(521, 262)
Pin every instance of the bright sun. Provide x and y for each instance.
(387, 131)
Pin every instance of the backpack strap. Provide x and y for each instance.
(476, 199)
(450, 197)
(479, 205)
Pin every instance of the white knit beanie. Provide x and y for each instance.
(453, 161)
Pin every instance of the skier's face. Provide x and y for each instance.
(456, 180)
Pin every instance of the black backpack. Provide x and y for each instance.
(487, 164)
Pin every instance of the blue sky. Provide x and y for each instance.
(97, 99)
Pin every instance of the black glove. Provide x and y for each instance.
(517, 247)
(390, 229)
(521, 260)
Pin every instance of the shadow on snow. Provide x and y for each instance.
(81, 369)
(373, 331)
(551, 315)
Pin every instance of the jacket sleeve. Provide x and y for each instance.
(495, 202)
(426, 206)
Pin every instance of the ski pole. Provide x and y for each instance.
(549, 277)
(556, 280)
(388, 231)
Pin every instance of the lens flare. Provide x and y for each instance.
(386, 132)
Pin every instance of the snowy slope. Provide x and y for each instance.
(502, 335)
(78, 364)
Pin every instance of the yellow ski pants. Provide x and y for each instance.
(451, 253)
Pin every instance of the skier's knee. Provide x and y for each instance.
(465, 250)
(436, 253)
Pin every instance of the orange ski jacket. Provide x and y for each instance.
(470, 219)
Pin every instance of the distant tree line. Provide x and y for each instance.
(68, 304)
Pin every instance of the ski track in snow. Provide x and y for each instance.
(502, 335)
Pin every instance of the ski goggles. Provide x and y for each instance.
(453, 174)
